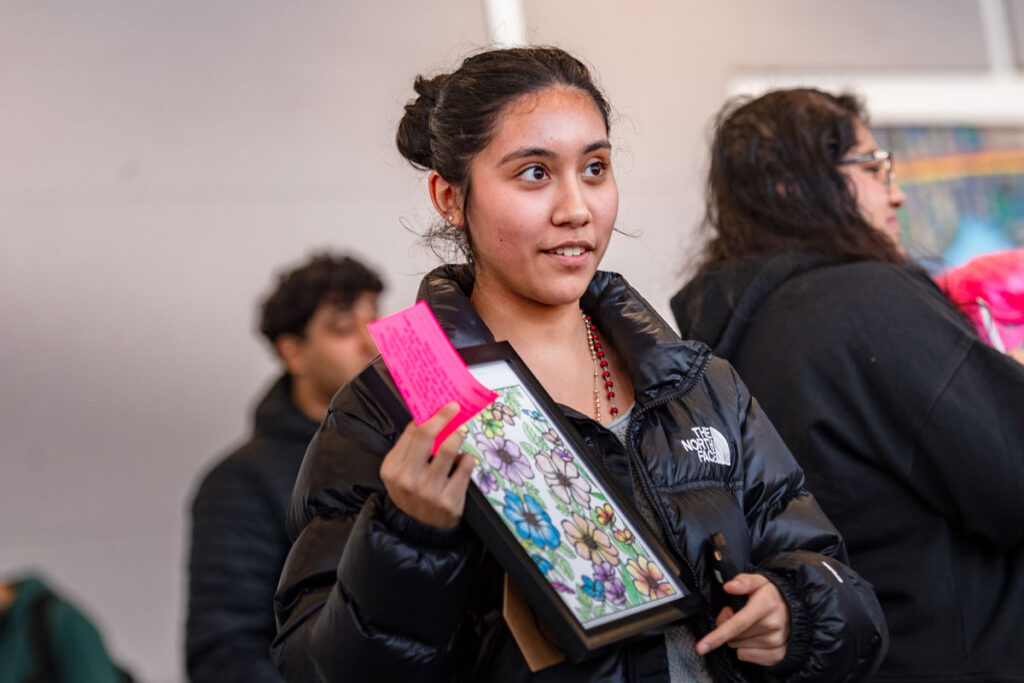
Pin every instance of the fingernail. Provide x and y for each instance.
(702, 648)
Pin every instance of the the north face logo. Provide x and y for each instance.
(709, 445)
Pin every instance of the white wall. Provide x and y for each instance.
(158, 161)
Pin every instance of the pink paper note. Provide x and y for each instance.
(426, 367)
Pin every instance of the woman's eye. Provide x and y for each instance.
(534, 173)
(595, 169)
(873, 169)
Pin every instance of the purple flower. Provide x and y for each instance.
(487, 482)
(615, 591)
(505, 457)
(562, 453)
(603, 572)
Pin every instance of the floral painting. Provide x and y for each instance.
(589, 552)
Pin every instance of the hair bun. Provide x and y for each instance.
(413, 137)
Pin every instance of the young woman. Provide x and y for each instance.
(910, 430)
(385, 583)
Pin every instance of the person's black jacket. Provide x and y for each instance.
(910, 432)
(239, 544)
(370, 594)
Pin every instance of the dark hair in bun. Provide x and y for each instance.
(454, 116)
(413, 137)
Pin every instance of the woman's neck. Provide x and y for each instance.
(553, 341)
(533, 329)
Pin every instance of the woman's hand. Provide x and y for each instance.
(428, 489)
(760, 630)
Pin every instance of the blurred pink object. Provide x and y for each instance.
(989, 289)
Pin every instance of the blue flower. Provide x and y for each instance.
(542, 564)
(594, 589)
(530, 520)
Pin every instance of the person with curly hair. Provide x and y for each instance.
(315, 320)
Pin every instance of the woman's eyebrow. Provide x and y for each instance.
(527, 152)
(523, 152)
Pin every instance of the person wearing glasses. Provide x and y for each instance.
(909, 429)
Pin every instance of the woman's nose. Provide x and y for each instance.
(896, 196)
(572, 210)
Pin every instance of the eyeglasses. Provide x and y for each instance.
(882, 157)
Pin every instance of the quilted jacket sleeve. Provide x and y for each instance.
(233, 571)
(838, 630)
(367, 593)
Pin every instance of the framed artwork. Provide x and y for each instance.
(588, 566)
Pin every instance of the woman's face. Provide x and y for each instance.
(876, 201)
(543, 199)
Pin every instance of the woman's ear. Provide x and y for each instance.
(446, 198)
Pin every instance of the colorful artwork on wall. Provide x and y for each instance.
(964, 188)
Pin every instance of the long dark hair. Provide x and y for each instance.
(774, 184)
(454, 116)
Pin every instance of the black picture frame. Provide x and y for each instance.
(578, 630)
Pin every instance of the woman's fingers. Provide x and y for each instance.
(766, 639)
(744, 584)
(420, 484)
(763, 620)
(439, 468)
(454, 494)
(731, 628)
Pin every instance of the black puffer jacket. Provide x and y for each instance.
(239, 544)
(370, 594)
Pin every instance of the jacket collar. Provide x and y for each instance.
(278, 417)
(658, 362)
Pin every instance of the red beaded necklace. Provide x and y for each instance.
(601, 371)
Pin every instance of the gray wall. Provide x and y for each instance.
(158, 161)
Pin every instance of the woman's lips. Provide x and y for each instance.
(569, 256)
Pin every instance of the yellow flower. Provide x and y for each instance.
(605, 514)
(647, 578)
(589, 542)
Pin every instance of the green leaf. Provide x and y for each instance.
(562, 566)
(530, 431)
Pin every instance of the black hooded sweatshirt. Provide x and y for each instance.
(910, 432)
